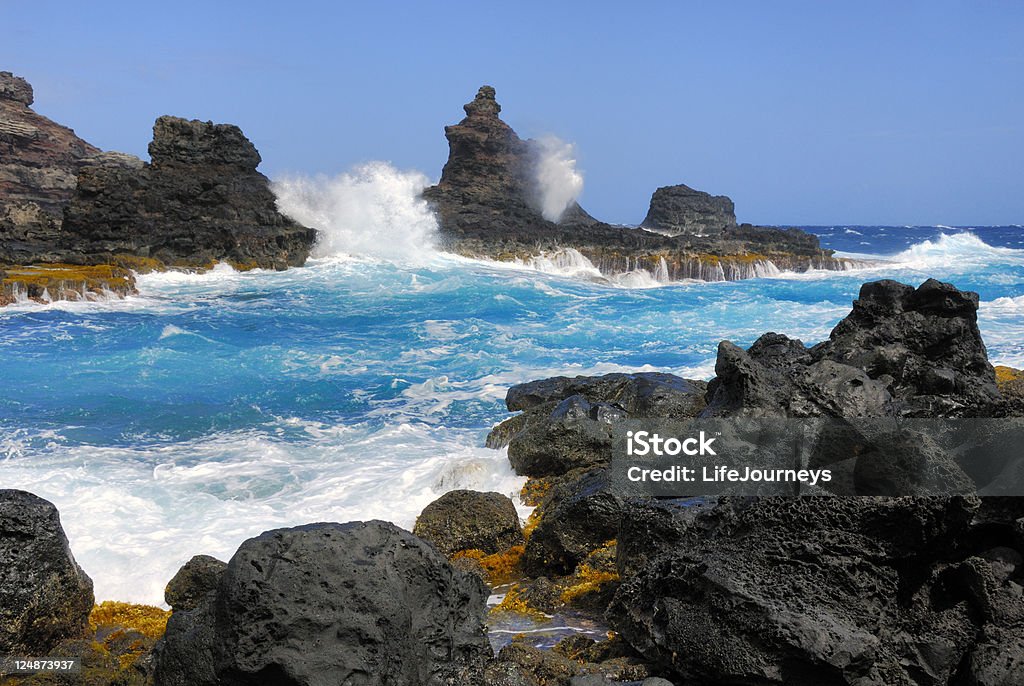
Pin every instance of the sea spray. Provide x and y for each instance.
(375, 210)
(559, 182)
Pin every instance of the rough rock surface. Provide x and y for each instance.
(680, 209)
(901, 352)
(39, 160)
(200, 200)
(567, 422)
(577, 518)
(191, 584)
(487, 203)
(827, 591)
(364, 602)
(470, 520)
(45, 596)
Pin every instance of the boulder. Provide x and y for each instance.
(470, 520)
(567, 422)
(364, 602)
(574, 521)
(45, 597)
(680, 209)
(193, 582)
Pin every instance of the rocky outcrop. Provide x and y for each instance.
(470, 520)
(680, 209)
(822, 590)
(489, 186)
(488, 205)
(39, 162)
(901, 352)
(45, 597)
(196, 579)
(363, 602)
(567, 421)
(200, 200)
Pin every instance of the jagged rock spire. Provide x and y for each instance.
(18, 89)
(483, 104)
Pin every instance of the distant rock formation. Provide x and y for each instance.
(39, 160)
(199, 201)
(489, 184)
(487, 203)
(680, 209)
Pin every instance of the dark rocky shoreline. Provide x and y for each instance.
(728, 590)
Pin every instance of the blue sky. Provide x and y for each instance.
(802, 112)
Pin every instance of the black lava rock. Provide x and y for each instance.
(364, 602)
(468, 520)
(45, 596)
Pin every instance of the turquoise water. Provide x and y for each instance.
(212, 407)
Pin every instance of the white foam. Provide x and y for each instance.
(133, 516)
(558, 180)
(374, 210)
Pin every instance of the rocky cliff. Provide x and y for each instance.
(39, 160)
(487, 202)
(200, 200)
(63, 203)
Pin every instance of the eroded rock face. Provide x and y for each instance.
(901, 352)
(680, 209)
(39, 160)
(470, 520)
(45, 597)
(199, 201)
(363, 602)
(489, 183)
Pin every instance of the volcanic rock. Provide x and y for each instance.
(470, 520)
(680, 209)
(901, 352)
(488, 205)
(811, 591)
(45, 597)
(199, 201)
(191, 584)
(363, 602)
(39, 161)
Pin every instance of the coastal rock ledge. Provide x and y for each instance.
(489, 205)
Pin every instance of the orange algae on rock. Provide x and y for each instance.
(501, 568)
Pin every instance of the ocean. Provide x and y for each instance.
(212, 407)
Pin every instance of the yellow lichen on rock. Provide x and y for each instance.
(147, 620)
(592, 575)
(501, 568)
(515, 603)
(42, 282)
(1007, 375)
